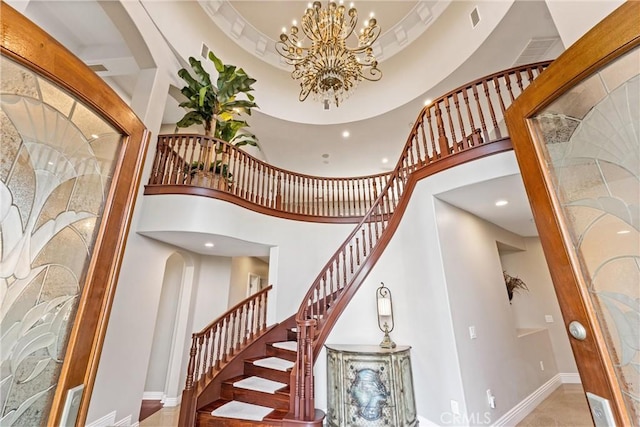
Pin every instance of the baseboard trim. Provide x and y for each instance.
(153, 395)
(107, 420)
(169, 402)
(126, 421)
(572, 378)
(528, 404)
(425, 422)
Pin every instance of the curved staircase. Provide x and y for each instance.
(227, 382)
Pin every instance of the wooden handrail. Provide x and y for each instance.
(437, 134)
(217, 342)
(191, 160)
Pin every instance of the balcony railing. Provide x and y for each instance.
(465, 117)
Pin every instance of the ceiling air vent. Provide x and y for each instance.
(98, 68)
(536, 50)
(475, 17)
(204, 51)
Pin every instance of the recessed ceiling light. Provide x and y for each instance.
(345, 134)
(50, 163)
(624, 232)
(94, 136)
(385, 160)
(427, 101)
(209, 245)
(502, 203)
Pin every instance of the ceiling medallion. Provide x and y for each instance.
(327, 67)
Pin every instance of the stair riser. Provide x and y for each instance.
(283, 354)
(277, 400)
(271, 374)
(205, 420)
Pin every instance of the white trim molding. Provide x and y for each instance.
(153, 395)
(105, 421)
(529, 403)
(572, 378)
(126, 421)
(169, 402)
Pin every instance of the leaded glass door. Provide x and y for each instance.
(576, 134)
(70, 162)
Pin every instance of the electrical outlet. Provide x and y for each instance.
(541, 365)
(548, 318)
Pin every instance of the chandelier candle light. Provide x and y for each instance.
(327, 67)
(385, 315)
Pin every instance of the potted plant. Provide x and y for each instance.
(217, 107)
(513, 284)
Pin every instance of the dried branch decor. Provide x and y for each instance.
(513, 284)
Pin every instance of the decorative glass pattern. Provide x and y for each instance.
(591, 141)
(56, 163)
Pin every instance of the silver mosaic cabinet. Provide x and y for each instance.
(368, 386)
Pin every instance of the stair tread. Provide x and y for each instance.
(275, 363)
(286, 345)
(260, 384)
(275, 416)
(241, 410)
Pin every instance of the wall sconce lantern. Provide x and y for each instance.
(385, 315)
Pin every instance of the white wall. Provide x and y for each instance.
(495, 359)
(529, 308)
(213, 290)
(427, 305)
(572, 23)
(165, 322)
(240, 269)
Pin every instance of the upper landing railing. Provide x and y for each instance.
(465, 117)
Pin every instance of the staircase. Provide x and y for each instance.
(261, 395)
(227, 369)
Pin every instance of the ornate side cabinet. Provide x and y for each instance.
(370, 386)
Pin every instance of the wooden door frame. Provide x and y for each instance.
(27, 44)
(613, 37)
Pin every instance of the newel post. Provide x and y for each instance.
(304, 400)
(188, 405)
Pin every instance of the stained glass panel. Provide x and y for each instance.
(57, 160)
(591, 142)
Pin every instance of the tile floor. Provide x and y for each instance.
(565, 407)
(165, 417)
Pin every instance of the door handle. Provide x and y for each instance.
(577, 331)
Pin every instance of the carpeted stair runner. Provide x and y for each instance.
(274, 363)
(259, 384)
(243, 411)
(286, 345)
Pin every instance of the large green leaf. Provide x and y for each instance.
(207, 101)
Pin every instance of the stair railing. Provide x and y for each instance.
(190, 160)
(216, 343)
(462, 119)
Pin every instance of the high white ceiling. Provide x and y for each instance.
(287, 137)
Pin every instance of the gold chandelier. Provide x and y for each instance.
(327, 67)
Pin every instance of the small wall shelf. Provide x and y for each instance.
(370, 386)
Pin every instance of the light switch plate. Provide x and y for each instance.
(548, 318)
(472, 332)
(71, 406)
(601, 411)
